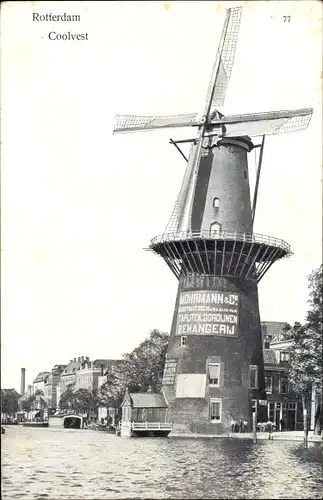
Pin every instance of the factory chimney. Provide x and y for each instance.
(22, 381)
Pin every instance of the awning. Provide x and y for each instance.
(214, 371)
(33, 414)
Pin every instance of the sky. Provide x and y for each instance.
(79, 204)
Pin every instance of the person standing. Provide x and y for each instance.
(233, 425)
(241, 424)
(245, 425)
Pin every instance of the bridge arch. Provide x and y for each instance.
(73, 422)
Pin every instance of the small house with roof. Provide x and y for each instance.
(144, 414)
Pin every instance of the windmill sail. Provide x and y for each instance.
(223, 65)
(177, 214)
(133, 123)
(269, 123)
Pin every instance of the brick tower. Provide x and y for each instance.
(214, 366)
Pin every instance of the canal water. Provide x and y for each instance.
(82, 464)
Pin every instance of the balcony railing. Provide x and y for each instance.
(221, 235)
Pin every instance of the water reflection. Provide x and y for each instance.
(75, 464)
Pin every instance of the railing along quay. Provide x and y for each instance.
(151, 426)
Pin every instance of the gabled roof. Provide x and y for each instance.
(71, 368)
(58, 368)
(147, 400)
(273, 329)
(10, 392)
(40, 377)
(269, 357)
(99, 363)
(281, 343)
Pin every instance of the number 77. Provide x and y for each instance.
(286, 19)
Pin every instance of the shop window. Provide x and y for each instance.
(214, 374)
(215, 410)
(253, 377)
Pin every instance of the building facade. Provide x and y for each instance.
(68, 376)
(105, 413)
(50, 388)
(89, 373)
(39, 382)
(284, 406)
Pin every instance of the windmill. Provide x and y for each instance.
(214, 357)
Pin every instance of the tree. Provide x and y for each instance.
(111, 393)
(34, 402)
(27, 404)
(9, 402)
(86, 401)
(306, 350)
(80, 400)
(39, 400)
(142, 369)
(67, 399)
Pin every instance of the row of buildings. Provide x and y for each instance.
(80, 372)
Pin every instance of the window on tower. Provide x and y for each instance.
(216, 202)
(214, 374)
(215, 227)
(182, 341)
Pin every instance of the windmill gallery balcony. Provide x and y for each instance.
(220, 253)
